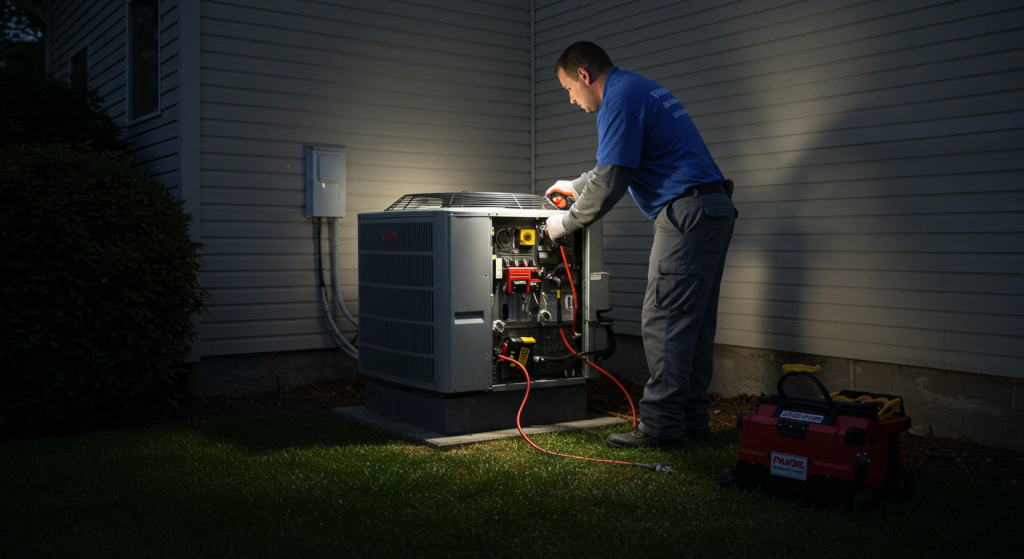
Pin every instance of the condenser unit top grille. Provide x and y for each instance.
(504, 200)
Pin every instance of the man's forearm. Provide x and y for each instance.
(597, 192)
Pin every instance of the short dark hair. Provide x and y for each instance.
(583, 54)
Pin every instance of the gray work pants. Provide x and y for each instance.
(680, 314)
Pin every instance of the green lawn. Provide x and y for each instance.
(322, 486)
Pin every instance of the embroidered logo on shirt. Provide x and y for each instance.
(659, 92)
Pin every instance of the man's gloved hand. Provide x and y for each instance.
(561, 194)
(554, 227)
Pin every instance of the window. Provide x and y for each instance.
(143, 58)
(78, 69)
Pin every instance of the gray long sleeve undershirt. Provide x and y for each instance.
(597, 191)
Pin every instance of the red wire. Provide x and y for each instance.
(519, 425)
(606, 373)
(533, 444)
(568, 272)
(575, 305)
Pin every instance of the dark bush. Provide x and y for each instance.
(40, 108)
(100, 282)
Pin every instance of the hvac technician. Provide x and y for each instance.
(648, 144)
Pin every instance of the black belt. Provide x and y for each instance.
(709, 188)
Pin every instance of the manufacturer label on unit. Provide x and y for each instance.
(800, 416)
(787, 465)
(595, 276)
(389, 236)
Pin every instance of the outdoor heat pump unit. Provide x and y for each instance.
(447, 282)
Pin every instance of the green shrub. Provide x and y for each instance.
(40, 108)
(100, 282)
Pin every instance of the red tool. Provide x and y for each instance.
(561, 195)
(561, 201)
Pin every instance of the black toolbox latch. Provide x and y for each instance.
(855, 436)
(791, 429)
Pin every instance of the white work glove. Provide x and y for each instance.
(562, 194)
(554, 227)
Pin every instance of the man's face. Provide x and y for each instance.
(580, 93)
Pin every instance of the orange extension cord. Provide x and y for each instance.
(519, 424)
(653, 467)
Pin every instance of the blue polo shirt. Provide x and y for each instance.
(643, 126)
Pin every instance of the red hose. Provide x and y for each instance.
(606, 373)
(575, 305)
(652, 467)
(533, 444)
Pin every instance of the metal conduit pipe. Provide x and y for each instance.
(335, 276)
(332, 329)
(336, 335)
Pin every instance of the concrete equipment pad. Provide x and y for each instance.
(476, 412)
(437, 441)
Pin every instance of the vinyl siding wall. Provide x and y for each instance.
(878, 153)
(426, 96)
(102, 27)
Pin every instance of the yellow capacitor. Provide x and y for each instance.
(524, 353)
(527, 237)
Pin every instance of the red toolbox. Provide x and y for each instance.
(844, 449)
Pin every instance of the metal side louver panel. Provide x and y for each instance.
(397, 336)
(396, 300)
(396, 237)
(388, 363)
(397, 303)
(410, 270)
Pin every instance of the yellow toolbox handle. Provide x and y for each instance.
(889, 407)
(800, 368)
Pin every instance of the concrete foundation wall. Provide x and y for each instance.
(259, 373)
(981, 408)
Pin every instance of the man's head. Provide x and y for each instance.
(581, 70)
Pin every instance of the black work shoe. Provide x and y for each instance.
(637, 439)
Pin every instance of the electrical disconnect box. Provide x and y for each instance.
(447, 282)
(325, 181)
